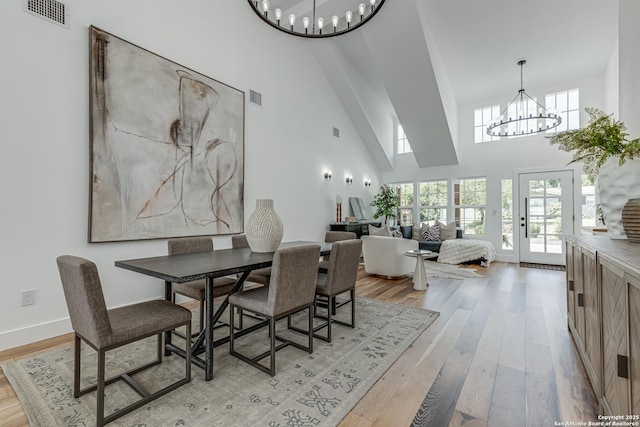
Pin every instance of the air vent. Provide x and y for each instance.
(336, 132)
(49, 10)
(255, 98)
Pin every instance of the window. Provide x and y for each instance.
(567, 103)
(507, 214)
(528, 107)
(470, 200)
(402, 143)
(481, 119)
(433, 200)
(405, 194)
(589, 209)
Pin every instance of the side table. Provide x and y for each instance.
(420, 275)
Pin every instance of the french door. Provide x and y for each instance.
(546, 213)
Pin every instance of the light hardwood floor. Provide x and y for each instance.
(500, 354)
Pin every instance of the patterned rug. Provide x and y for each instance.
(542, 266)
(316, 389)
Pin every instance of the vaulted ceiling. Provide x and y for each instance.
(418, 60)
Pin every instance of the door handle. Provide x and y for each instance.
(526, 217)
(623, 366)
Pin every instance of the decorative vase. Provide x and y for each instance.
(631, 220)
(616, 185)
(264, 231)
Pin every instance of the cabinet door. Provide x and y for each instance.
(614, 333)
(570, 285)
(634, 342)
(592, 342)
(578, 286)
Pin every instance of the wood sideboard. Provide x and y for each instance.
(603, 314)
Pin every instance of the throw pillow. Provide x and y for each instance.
(416, 233)
(396, 232)
(447, 232)
(430, 233)
(379, 231)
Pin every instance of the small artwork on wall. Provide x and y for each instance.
(167, 147)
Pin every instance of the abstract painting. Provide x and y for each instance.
(167, 147)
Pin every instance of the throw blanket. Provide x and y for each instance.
(455, 251)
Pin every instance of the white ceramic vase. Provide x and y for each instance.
(264, 231)
(616, 185)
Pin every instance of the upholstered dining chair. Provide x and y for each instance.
(260, 275)
(334, 236)
(196, 289)
(104, 330)
(340, 277)
(291, 289)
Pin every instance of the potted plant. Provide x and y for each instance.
(385, 202)
(603, 148)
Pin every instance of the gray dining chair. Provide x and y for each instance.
(196, 289)
(330, 237)
(291, 289)
(260, 275)
(340, 278)
(105, 330)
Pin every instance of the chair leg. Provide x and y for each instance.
(159, 344)
(100, 389)
(353, 307)
(187, 349)
(272, 332)
(330, 311)
(231, 329)
(76, 365)
(311, 312)
(201, 315)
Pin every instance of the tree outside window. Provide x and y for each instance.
(470, 204)
(404, 191)
(507, 214)
(433, 200)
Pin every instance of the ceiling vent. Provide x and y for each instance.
(255, 98)
(49, 10)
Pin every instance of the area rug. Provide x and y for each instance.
(316, 389)
(542, 266)
(437, 269)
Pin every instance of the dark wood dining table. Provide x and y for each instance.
(207, 265)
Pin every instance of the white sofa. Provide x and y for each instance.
(385, 255)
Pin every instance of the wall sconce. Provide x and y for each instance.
(349, 180)
(367, 183)
(327, 176)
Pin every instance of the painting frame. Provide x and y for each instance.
(166, 147)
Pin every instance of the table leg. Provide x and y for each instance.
(420, 275)
(209, 322)
(167, 335)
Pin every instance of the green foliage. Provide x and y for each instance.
(506, 241)
(602, 138)
(534, 229)
(385, 202)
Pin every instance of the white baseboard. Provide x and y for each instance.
(34, 333)
(42, 331)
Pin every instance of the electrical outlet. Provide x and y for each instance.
(28, 297)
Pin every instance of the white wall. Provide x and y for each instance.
(629, 66)
(503, 159)
(612, 83)
(44, 105)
